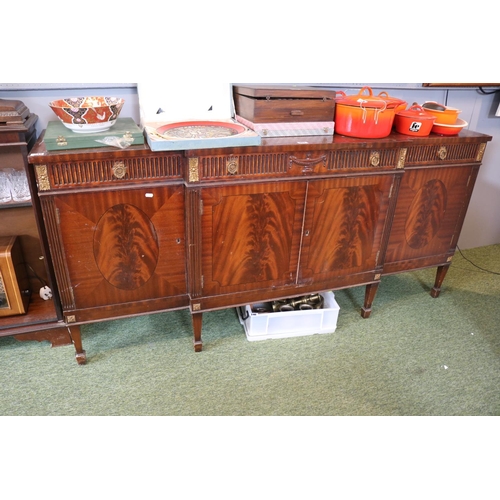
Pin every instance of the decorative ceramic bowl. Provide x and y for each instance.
(88, 115)
(449, 129)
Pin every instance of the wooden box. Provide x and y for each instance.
(281, 104)
(14, 284)
(57, 136)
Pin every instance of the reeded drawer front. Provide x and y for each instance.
(298, 163)
(107, 172)
(445, 153)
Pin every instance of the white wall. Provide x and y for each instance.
(482, 223)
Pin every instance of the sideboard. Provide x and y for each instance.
(134, 231)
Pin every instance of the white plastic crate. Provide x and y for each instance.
(279, 325)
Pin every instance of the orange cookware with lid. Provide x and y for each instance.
(399, 104)
(414, 121)
(443, 114)
(363, 115)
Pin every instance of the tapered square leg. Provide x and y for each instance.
(440, 276)
(197, 319)
(371, 291)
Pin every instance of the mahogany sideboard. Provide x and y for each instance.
(134, 231)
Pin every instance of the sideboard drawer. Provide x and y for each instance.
(108, 172)
(445, 153)
(293, 164)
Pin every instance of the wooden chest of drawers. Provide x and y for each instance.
(132, 231)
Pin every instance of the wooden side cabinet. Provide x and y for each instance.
(42, 319)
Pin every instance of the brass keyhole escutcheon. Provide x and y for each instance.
(375, 159)
(119, 170)
(232, 166)
(442, 153)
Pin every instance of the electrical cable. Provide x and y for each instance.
(475, 265)
(482, 91)
(44, 283)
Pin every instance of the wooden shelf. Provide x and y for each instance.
(41, 315)
(15, 204)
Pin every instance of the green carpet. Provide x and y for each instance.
(414, 356)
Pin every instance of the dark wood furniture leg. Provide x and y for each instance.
(440, 275)
(76, 338)
(371, 291)
(197, 323)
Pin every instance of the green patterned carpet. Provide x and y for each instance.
(414, 356)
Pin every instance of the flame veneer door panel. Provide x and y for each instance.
(120, 247)
(430, 210)
(251, 236)
(344, 227)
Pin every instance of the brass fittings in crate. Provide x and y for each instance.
(304, 303)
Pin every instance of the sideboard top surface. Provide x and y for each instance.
(40, 155)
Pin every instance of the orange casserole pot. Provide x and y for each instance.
(414, 121)
(364, 115)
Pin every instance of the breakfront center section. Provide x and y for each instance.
(286, 222)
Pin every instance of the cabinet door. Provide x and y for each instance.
(251, 236)
(429, 214)
(344, 225)
(121, 247)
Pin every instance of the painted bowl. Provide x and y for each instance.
(88, 115)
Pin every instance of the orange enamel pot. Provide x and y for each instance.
(444, 114)
(395, 102)
(363, 115)
(414, 121)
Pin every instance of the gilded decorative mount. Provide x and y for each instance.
(480, 153)
(42, 177)
(402, 157)
(194, 175)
